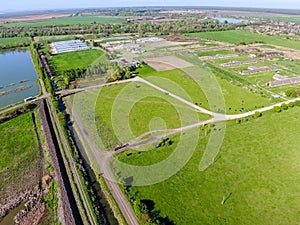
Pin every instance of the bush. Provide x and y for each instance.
(257, 114)
(277, 109)
(291, 93)
(284, 106)
(297, 103)
(291, 104)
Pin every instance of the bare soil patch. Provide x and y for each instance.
(167, 63)
(176, 37)
(32, 18)
(160, 44)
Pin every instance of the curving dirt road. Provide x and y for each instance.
(102, 160)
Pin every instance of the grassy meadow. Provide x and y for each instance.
(19, 151)
(256, 174)
(15, 41)
(246, 37)
(177, 82)
(74, 60)
(125, 111)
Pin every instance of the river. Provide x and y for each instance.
(9, 219)
(229, 20)
(18, 78)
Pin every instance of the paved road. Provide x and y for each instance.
(44, 95)
(23, 104)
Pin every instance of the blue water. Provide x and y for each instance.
(16, 66)
(230, 20)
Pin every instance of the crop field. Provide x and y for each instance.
(246, 37)
(86, 19)
(19, 154)
(74, 60)
(253, 172)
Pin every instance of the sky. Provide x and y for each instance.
(61, 4)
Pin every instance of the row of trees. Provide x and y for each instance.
(113, 71)
(182, 26)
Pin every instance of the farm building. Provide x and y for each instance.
(114, 38)
(253, 70)
(279, 77)
(234, 63)
(286, 81)
(219, 56)
(149, 39)
(68, 46)
(273, 54)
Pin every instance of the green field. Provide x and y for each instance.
(213, 53)
(87, 19)
(291, 19)
(241, 36)
(256, 172)
(16, 41)
(125, 111)
(184, 86)
(74, 60)
(252, 81)
(19, 152)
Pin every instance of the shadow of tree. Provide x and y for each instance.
(155, 215)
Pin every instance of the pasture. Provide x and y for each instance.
(256, 175)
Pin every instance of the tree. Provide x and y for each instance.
(291, 93)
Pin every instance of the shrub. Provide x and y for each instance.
(257, 114)
(277, 109)
(291, 93)
(291, 104)
(284, 106)
(297, 103)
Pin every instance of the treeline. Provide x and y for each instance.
(144, 208)
(41, 71)
(112, 71)
(183, 26)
